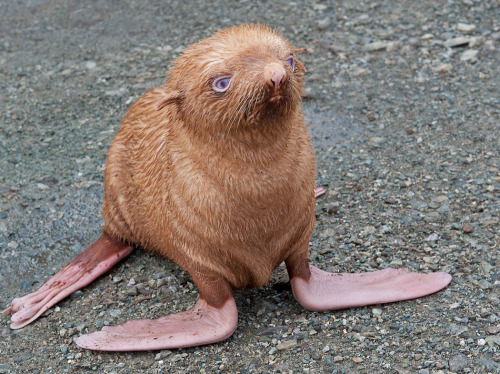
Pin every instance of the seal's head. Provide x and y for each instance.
(246, 76)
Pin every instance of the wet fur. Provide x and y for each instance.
(221, 184)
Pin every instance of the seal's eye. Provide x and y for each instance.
(291, 61)
(221, 84)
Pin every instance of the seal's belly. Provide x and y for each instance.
(239, 239)
(239, 234)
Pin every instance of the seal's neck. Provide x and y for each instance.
(256, 143)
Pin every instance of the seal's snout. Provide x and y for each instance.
(275, 75)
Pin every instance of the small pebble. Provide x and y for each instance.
(494, 329)
(468, 229)
(5, 332)
(324, 23)
(454, 305)
(332, 208)
(26, 285)
(432, 238)
(132, 291)
(456, 42)
(162, 354)
(493, 340)
(377, 312)
(178, 357)
(80, 327)
(463, 27)
(457, 329)
(458, 363)
(444, 68)
(469, 55)
(115, 313)
(76, 294)
(12, 245)
(72, 331)
(90, 65)
(286, 345)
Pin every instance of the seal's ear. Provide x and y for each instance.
(172, 97)
(299, 50)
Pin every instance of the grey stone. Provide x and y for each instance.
(458, 363)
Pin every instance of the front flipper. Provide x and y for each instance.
(202, 324)
(328, 291)
(212, 319)
(87, 266)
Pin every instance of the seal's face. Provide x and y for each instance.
(242, 76)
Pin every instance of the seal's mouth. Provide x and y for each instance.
(277, 98)
(278, 103)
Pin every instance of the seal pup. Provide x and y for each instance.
(215, 171)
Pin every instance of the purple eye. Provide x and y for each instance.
(221, 84)
(291, 61)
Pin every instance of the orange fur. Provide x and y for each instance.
(221, 184)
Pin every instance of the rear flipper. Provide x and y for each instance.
(87, 266)
(212, 319)
(319, 191)
(319, 290)
(328, 291)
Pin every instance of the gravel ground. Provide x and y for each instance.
(403, 105)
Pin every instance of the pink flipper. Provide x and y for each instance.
(327, 291)
(319, 191)
(87, 266)
(202, 324)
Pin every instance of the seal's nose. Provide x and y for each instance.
(275, 75)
